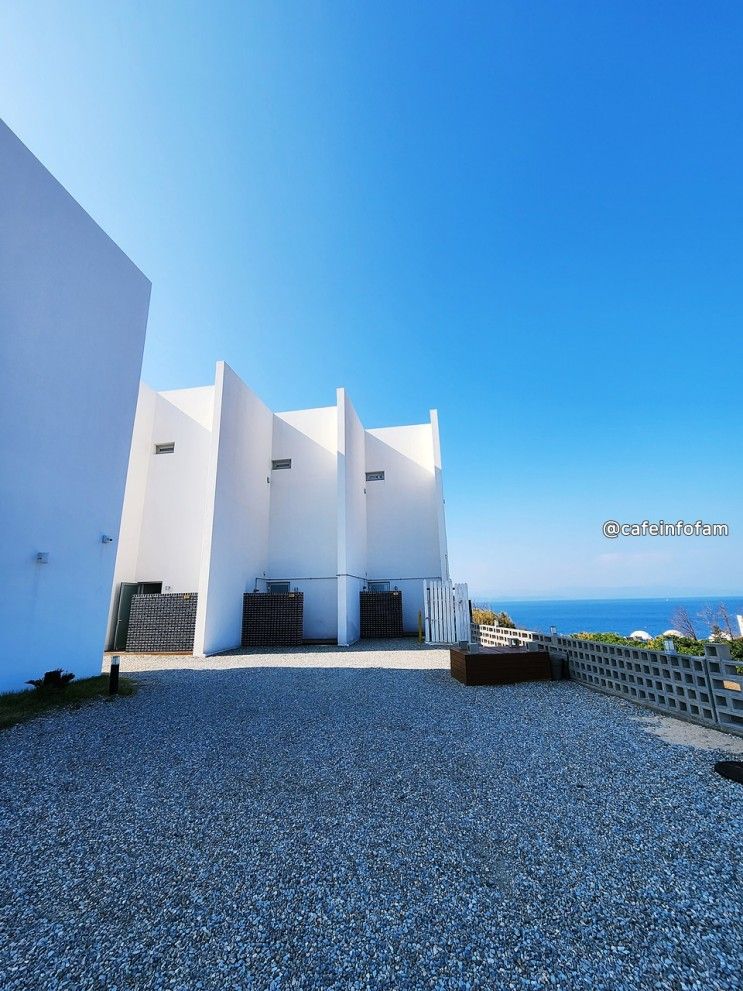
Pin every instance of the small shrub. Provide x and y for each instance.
(53, 681)
(488, 617)
(683, 645)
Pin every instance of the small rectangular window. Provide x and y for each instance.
(379, 586)
(168, 448)
(280, 588)
(375, 476)
(281, 463)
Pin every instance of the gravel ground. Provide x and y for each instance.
(680, 731)
(404, 653)
(351, 828)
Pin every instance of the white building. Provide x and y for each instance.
(73, 314)
(225, 497)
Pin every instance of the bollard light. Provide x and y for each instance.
(113, 675)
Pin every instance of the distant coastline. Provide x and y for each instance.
(622, 616)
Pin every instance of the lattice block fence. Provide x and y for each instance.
(675, 683)
(706, 689)
(726, 676)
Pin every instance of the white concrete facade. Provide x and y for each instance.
(73, 315)
(217, 514)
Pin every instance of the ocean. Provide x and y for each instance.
(622, 616)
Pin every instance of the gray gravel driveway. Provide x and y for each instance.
(276, 828)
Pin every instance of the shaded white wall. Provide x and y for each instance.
(172, 525)
(235, 538)
(303, 513)
(73, 314)
(403, 512)
(352, 536)
(135, 493)
(197, 404)
(162, 526)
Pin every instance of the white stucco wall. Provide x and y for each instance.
(235, 538)
(352, 535)
(172, 526)
(303, 515)
(440, 502)
(135, 494)
(213, 516)
(162, 525)
(403, 542)
(197, 404)
(73, 315)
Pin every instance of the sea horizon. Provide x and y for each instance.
(620, 614)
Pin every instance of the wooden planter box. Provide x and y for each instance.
(499, 666)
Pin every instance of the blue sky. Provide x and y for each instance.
(526, 215)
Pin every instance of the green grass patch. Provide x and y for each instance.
(16, 707)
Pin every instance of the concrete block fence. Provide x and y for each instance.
(705, 689)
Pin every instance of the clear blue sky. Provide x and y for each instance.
(529, 215)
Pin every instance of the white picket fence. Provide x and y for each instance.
(447, 611)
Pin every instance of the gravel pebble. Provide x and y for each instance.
(352, 828)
